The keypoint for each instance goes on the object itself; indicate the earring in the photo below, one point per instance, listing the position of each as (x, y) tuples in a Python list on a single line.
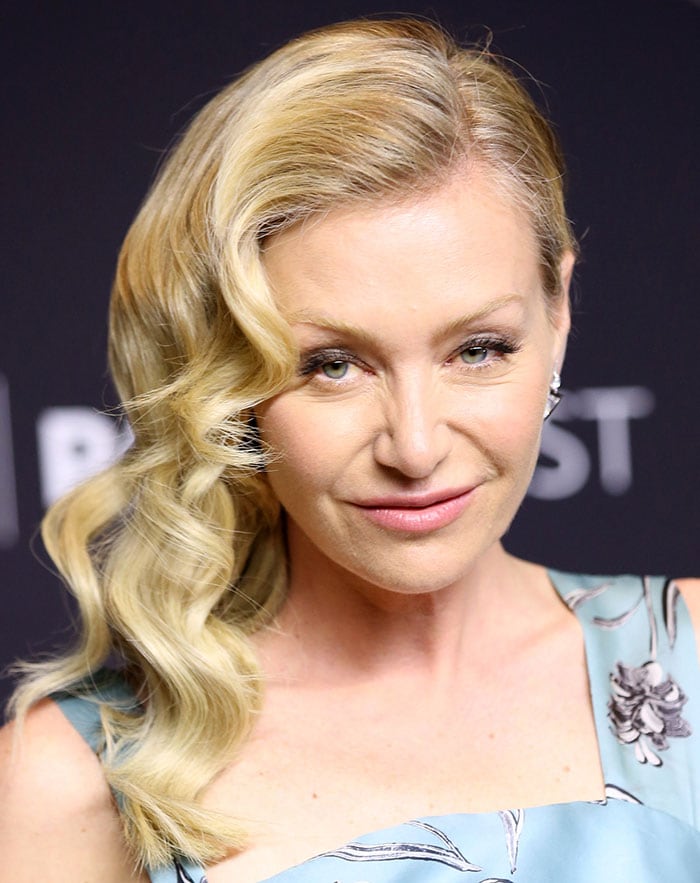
[(554, 395)]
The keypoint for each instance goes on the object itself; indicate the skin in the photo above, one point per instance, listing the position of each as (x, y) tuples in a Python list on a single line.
[(389, 694)]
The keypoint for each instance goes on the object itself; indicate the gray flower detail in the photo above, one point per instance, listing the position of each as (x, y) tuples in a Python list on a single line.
[(614, 792), (449, 854), (513, 824), (645, 710), (184, 877)]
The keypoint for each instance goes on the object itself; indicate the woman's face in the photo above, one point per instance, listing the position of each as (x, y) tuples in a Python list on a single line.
[(407, 441)]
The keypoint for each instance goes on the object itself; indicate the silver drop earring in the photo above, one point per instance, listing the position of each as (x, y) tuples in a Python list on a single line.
[(554, 395)]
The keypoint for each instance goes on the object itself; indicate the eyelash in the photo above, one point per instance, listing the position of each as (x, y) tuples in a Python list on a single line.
[(502, 346), (314, 361)]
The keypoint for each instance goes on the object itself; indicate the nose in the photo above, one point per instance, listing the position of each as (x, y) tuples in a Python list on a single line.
[(415, 436)]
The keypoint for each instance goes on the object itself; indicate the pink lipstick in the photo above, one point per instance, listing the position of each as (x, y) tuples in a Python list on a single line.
[(417, 513)]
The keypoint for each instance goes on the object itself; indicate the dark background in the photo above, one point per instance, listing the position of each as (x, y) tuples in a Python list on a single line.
[(95, 92)]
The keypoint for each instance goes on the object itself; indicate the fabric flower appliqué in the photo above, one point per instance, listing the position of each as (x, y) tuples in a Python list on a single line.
[(645, 710)]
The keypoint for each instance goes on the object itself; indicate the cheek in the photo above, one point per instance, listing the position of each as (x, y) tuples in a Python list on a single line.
[(309, 447), (510, 425)]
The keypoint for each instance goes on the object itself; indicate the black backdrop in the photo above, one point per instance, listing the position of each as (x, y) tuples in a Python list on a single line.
[(95, 92)]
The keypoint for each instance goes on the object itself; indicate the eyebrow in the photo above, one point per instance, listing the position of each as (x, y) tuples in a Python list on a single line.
[(318, 320)]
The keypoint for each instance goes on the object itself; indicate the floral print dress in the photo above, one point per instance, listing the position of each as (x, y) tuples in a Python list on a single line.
[(645, 688)]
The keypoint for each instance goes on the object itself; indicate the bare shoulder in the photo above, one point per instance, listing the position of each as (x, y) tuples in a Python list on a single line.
[(58, 820), (690, 589)]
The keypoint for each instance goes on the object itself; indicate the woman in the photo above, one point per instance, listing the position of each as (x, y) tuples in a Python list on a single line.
[(337, 325)]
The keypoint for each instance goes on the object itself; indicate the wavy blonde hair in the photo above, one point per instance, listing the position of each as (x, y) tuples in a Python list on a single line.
[(175, 553)]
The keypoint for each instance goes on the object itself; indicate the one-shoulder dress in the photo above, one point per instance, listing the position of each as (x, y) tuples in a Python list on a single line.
[(645, 689)]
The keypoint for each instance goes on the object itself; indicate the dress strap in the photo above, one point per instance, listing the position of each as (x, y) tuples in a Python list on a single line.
[(81, 703), (644, 681)]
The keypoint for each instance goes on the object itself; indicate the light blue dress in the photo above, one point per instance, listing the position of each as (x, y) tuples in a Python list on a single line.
[(645, 687)]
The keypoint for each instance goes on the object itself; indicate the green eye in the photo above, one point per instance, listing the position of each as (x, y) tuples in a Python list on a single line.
[(473, 355), (335, 370)]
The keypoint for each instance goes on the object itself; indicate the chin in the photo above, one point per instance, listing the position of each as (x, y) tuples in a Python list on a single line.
[(418, 566)]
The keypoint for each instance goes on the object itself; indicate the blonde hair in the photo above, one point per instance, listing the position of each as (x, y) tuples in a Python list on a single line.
[(175, 553)]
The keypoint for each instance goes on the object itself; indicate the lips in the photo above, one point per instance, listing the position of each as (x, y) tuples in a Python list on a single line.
[(417, 513)]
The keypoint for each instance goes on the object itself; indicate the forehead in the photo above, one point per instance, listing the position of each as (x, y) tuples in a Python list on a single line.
[(463, 244)]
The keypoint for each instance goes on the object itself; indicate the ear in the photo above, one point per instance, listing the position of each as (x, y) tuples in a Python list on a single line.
[(561, 313)]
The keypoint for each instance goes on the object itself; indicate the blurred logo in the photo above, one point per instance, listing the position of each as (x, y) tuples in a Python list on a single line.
[(565, 462), (9, 523)]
